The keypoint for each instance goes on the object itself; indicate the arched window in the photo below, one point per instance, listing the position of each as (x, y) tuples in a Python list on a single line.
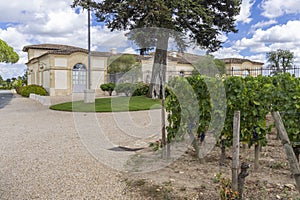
[(79, 78), (181, 73)]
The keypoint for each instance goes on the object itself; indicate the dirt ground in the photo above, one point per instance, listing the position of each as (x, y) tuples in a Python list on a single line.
[(188, 178)]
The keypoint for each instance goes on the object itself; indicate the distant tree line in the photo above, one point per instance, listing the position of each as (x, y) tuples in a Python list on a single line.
[(10, 83)]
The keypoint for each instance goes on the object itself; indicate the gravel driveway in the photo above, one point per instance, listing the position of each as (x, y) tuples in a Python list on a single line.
[(42, 156)]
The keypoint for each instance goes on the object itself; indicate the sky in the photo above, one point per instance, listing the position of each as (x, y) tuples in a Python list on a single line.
[(264, 26)]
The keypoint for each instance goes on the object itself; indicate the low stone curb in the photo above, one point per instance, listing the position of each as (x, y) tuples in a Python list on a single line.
[(44, 100)]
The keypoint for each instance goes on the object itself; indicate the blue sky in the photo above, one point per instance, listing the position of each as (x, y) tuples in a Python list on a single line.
[(264, 25)]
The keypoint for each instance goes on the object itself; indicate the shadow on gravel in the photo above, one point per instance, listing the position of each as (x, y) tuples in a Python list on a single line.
[(5, 98)]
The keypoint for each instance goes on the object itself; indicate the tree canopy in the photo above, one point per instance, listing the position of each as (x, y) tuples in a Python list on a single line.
[(280, 60), (123, 63), (197, 21), (7, 53), (202, 21)]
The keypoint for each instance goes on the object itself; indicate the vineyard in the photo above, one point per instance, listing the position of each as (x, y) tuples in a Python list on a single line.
[(201, 108), (218, 99)]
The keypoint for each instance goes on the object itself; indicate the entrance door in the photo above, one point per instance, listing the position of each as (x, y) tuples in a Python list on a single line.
[(79, 78)]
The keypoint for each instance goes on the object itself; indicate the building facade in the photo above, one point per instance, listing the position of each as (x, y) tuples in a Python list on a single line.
[(62, 69), (176, 66), (242, 67)]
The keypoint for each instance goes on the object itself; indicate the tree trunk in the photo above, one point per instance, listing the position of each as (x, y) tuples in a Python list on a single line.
[(158, 78), (297, 152), (223, 153), (158, 75), (241, 179)]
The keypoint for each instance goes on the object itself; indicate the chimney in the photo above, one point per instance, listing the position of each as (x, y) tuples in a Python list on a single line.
[(174, 54), (113, 51)]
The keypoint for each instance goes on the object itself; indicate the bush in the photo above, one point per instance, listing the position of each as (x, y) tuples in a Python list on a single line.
[(127, 88), (18, 89), (35, 89), (140, 89), (134, 89), (109, 87)]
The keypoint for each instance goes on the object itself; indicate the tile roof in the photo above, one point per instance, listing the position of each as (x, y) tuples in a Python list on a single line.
[(62, 50), (53, 47), (239, 61)]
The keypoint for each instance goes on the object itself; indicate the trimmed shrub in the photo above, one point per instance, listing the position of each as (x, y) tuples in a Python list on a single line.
[(134, 89), (35, 89), (140, 89), (18, 89), (127, 88), (109, 87)]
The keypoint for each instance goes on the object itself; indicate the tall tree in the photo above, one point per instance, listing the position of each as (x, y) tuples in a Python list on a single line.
[(7, 53), (280, 60), (198, 20), (1, 80), (122, 63)]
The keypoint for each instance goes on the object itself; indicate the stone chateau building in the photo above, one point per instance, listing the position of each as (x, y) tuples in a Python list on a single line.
[(62, 69)]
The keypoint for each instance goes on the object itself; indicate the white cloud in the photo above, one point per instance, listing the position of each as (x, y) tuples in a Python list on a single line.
[(263, 24), (245, 11), (276, 8), (285, 33), (46, 21), (282, 36), (261, 57), (129, 50), (227, 53), (12, 70)]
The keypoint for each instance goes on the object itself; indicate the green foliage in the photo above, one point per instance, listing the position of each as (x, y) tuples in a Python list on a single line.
[(109, 87), (1, 80), (286, 100), (127, 88), (254, 97), (123, 63), (134, 89), (226, 192), (7, 53), (35, 89), (209, 66), (156, 145), (17, 83), (221, 66), (190, 105), (140, 89), (280, 60), (203, 20), (18, 90), (117, 104)]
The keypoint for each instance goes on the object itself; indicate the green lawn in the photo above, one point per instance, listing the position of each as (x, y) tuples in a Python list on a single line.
[(115, 104)]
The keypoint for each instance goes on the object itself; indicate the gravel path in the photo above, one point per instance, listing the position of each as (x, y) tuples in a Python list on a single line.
[(42, 157)]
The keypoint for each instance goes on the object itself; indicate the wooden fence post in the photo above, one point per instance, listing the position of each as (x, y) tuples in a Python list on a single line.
[(288, 148), (235, 150)]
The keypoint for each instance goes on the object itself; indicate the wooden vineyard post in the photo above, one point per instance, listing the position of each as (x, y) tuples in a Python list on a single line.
[(235, 150), (256, 156), (288, 148)]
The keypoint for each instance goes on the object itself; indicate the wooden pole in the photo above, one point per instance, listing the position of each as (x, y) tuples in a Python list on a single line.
[(235, 150), (89, 47), (256, 156), (294, 165)]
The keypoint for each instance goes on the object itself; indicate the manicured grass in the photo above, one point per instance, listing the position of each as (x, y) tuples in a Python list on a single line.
[(115, 104)]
